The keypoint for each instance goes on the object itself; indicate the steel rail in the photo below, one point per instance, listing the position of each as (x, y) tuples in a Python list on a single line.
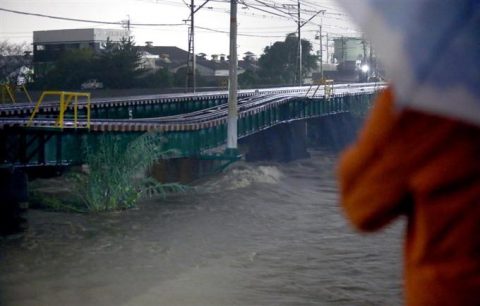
[(194, 120), (51, 106)]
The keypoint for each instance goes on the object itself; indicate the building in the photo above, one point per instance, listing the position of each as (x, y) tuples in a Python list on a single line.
[(355, 59), (348, 51), (214, 70), (49, 46)]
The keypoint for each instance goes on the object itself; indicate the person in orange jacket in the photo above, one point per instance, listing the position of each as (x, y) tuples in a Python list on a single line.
[(424, 167)]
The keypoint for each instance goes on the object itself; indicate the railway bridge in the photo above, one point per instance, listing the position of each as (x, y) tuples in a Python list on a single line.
[(272, 123)]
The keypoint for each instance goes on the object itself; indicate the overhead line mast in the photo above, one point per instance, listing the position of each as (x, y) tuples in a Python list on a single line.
[(191, 80), (300, 78)]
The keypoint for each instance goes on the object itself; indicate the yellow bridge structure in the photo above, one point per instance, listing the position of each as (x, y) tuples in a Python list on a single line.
[(8, 93), (65, 99)]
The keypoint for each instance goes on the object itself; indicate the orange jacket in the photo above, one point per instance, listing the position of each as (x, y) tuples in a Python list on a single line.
[(427, 168)]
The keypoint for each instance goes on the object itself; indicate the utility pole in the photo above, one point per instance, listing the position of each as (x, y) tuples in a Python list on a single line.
[(299, 34), (321, 52), (321, 43), (192, 32), (190, 80), (373, 68), (191, 58), (328, 55), (126, 25), (300, 79), (233, 82), (364, 44)]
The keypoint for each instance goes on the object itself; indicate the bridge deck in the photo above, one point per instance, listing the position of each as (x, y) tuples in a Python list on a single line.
[(191, 133)]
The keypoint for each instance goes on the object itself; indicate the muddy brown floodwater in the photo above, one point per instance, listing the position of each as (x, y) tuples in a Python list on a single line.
[(258, 234)]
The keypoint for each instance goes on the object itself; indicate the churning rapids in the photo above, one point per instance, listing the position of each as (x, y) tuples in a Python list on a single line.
[(259, 234)]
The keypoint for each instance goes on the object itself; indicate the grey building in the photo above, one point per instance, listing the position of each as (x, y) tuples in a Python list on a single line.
[(49, 46)]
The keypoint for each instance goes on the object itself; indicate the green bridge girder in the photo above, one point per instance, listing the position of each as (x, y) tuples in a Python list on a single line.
[(149, 109), (192, 143), (144, 106), (38, 147)]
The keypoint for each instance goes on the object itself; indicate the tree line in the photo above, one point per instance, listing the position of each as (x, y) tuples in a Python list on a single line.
[(118, 65)]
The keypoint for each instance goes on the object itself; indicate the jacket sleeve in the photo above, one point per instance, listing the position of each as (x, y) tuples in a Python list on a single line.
[(373, 180)]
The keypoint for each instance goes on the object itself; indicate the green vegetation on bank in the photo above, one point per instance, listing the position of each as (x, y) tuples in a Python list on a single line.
[(114, 177)]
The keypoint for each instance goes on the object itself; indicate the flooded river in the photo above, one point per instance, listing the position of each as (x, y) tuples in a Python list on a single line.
[(258, 234)]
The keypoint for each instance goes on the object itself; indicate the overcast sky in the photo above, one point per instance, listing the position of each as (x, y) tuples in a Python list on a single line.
[(257, 28)]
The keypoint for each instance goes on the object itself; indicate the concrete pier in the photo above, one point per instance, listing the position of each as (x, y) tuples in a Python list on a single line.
[(283, 143), (334, 132)]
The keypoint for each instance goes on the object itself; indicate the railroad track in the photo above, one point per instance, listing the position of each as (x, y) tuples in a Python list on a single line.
[(23, 109), (249, 102)]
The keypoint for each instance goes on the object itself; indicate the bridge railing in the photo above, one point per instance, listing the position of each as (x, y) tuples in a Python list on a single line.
[(328, 88), (66, 98)]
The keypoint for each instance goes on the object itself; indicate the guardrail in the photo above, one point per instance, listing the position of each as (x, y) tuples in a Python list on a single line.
[(65, 100), (328, 87)]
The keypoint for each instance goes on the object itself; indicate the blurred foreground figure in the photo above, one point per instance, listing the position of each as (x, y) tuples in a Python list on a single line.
[(418, 154), (426, 168)]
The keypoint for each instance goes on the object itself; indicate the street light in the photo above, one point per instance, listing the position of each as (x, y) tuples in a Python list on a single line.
[(365, 68)]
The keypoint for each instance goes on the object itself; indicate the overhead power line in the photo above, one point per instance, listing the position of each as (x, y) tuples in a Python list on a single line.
[(262, 10), (91, 21), (239, 34)]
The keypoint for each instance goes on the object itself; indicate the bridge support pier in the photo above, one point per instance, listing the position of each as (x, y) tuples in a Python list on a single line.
[(14, 195), (284, 142), (333, 132)]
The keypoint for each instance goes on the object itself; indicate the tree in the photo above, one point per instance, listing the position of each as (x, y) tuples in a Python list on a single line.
[(71, 70), (181, 75), (279, 63), (12, 57), (119, 64), (161, 78), (248, 79)]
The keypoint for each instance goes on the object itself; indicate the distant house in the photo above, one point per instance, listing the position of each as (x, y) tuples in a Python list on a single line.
[(149, 62), (173, 58), (249, 61), (49, 46), (250, 56)]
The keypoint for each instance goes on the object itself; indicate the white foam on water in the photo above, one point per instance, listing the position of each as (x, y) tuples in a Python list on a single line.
[(244, 175)]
